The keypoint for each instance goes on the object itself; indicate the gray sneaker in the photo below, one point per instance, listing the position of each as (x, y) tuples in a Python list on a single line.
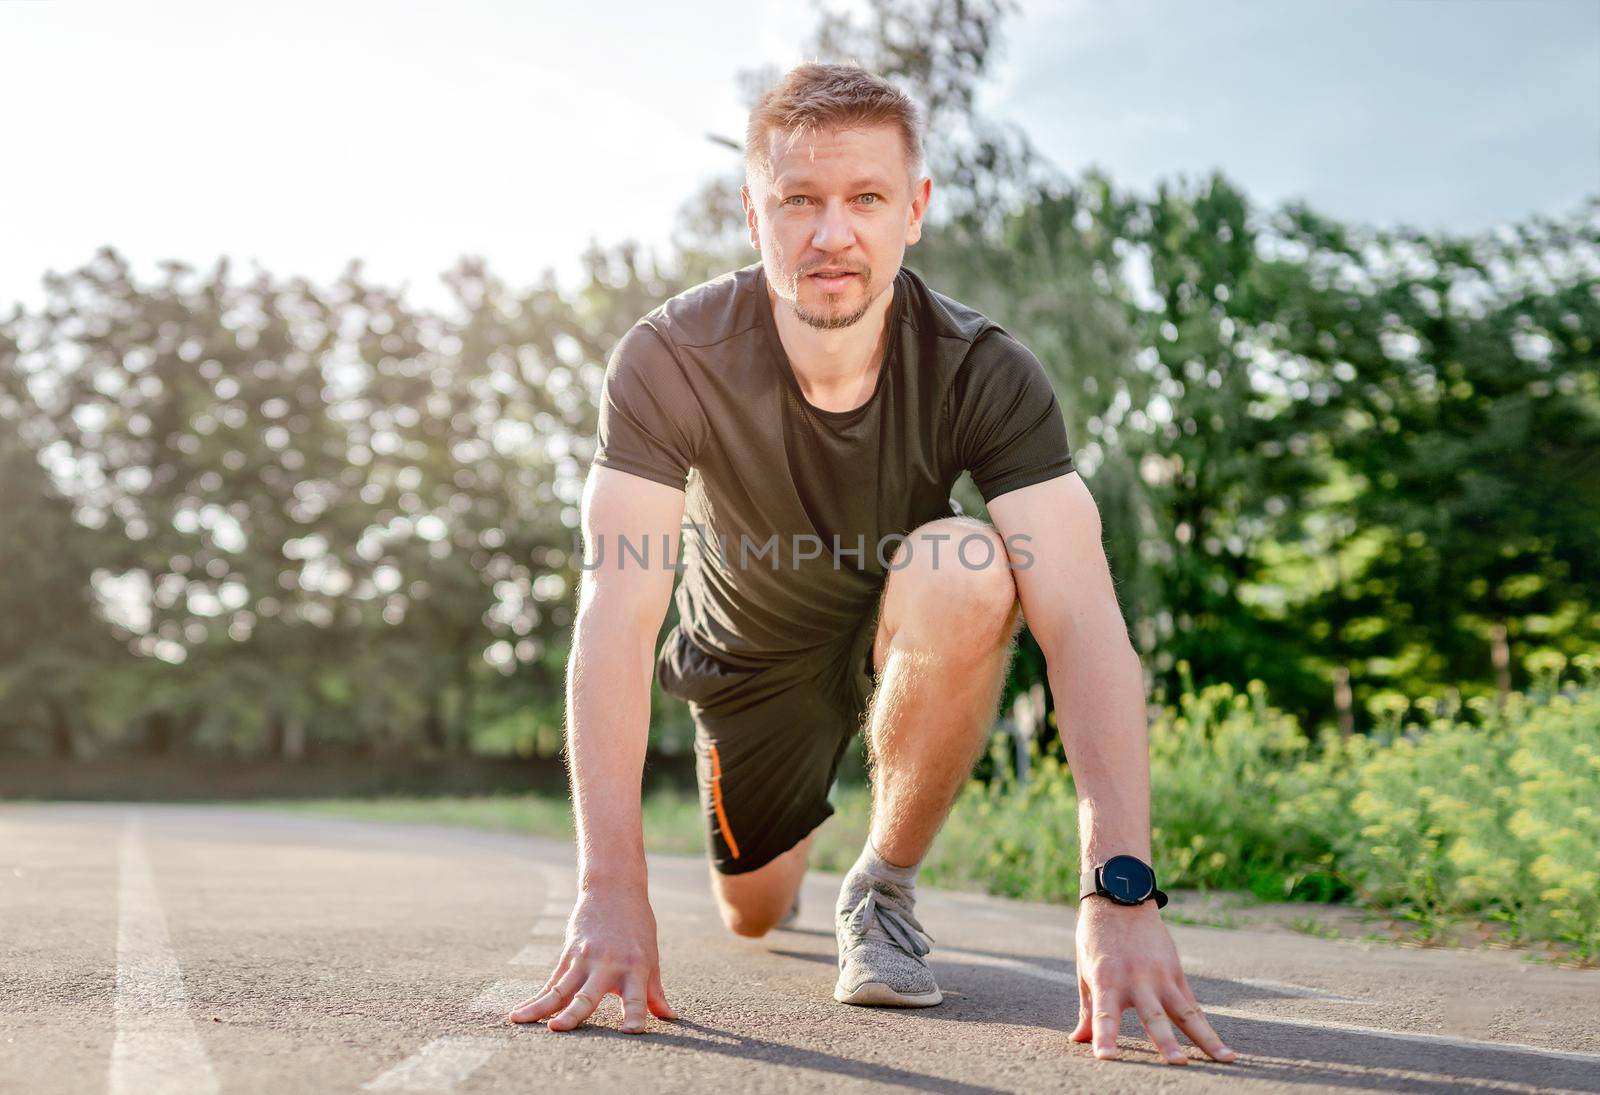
[(881, 946), (791, 916)]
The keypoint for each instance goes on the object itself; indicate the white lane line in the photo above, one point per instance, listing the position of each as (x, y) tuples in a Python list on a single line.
[(1018, 965), (536, 954), (445, 1063), (549, 930), (1410, 1036), (157, 1049), (499, 998), (557, 910), (438, 1066), (1015, 965), (1282, 988)]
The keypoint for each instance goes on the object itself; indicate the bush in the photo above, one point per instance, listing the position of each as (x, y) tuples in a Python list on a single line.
[(1495, 821), (1495, 817)]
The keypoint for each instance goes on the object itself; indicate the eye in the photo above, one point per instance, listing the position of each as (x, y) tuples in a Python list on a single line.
[(879, 198), (794, 197)]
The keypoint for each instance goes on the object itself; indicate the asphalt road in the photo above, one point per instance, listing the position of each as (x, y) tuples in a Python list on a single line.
[(200, 949)]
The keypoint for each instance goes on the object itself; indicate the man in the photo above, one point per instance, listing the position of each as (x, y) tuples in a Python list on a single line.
[(810, 413)]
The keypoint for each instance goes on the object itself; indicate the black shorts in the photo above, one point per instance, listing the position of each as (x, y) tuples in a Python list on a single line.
[(768, 741)]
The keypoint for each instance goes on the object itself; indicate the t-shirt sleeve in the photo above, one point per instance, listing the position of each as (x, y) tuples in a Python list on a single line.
[(651, 422), (1008, 426)]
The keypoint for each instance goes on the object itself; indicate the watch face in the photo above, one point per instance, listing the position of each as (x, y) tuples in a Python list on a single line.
[(1127, 879)]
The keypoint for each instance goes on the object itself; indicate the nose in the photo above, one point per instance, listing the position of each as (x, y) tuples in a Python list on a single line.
[(834, 232)]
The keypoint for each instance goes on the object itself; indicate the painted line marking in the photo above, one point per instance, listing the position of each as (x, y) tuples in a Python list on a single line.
[(438, 1066), (500, 997), (157, 1049), (1017, 965), (557, 910), (535, 955), (1284, 988), (1014, 965), (1410, 1036), (445, 1063)]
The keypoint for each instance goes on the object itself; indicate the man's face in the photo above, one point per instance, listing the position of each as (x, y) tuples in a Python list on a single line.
[(838, 200)]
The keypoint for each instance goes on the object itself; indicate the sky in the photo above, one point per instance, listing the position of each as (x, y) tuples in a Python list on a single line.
[(297, 136)]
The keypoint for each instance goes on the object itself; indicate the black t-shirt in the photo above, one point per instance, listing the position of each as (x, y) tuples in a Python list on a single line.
[(833, 455), (700, 395)]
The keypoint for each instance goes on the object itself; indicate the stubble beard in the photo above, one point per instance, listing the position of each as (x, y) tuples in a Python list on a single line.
[(831, 321)]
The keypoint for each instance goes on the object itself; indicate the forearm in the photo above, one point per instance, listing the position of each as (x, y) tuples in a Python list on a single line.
[(608, 725), (1098, 687)]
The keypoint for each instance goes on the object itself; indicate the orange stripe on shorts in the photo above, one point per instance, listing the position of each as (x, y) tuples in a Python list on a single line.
[(716, 801)]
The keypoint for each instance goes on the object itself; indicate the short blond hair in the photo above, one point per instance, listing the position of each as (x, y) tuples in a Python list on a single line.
[(819, 96)]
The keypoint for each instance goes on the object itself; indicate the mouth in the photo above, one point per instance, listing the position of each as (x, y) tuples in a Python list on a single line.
[(832, 279)]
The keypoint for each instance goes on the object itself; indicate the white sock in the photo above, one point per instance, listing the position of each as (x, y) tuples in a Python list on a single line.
[(875, 865)]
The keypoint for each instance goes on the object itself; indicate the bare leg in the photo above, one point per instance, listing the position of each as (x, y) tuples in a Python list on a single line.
[(942, 648), (751, 903), (942, 651)]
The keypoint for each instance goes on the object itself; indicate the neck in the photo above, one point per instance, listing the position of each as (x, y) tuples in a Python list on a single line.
[(837, 369)]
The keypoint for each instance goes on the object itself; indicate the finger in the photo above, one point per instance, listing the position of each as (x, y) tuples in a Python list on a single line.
[(1085, 1028), (547, 1000), (1185, 1010), (544, 1005), (634, 1013), (1154, 1018), (551, 1000), (1108, 1009), (582, 1004), (656, 997), (556, 974)]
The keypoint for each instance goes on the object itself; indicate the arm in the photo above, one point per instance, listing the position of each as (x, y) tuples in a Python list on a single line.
[(611, 938), (620, 610), (1126, 957)]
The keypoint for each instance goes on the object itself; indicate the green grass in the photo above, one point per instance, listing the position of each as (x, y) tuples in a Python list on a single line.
[(1220, 919), (1310, 925), (672, 820)]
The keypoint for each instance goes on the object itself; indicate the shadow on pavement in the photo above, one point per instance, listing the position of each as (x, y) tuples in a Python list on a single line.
[(1287, 1051), (742, 1047), (1290, 1052)]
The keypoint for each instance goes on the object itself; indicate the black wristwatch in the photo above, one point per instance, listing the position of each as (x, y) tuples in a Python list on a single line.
[(1125, 879)]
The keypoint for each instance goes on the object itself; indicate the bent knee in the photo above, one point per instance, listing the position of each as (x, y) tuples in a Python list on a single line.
[(746, 905), (960, 569), (746, 924)]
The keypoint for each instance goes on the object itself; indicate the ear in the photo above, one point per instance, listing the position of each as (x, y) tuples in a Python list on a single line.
[(750, 217), (919, 207)]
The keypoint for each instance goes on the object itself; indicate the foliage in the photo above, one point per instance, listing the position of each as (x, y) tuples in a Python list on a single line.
[(1488, 814), (262, 516), (1495, 819)]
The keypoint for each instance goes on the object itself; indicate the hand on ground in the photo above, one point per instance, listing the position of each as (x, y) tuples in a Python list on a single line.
[(610, 949), (1126, 959)]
